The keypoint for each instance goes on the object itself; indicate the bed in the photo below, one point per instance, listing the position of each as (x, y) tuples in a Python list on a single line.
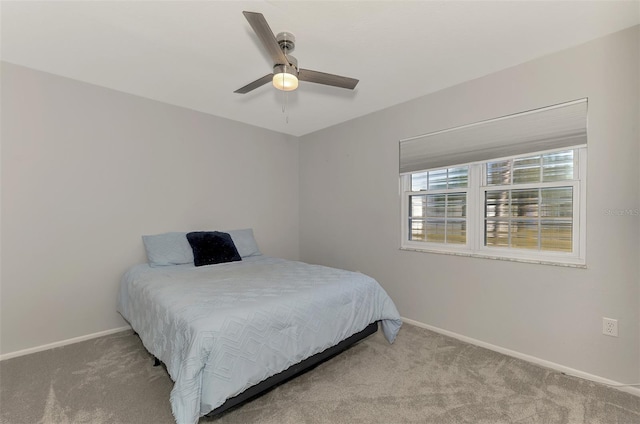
[(226, 331)]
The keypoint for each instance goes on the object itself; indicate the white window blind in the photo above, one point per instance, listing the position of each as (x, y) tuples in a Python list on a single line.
[(553, 127)]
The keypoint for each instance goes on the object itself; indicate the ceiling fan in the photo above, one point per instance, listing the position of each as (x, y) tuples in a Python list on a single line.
[(286, 73)]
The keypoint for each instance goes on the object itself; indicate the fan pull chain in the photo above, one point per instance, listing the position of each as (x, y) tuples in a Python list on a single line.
[(285, 101)]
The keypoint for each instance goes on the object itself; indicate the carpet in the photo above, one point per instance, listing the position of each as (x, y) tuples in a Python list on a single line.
[(424, 377)]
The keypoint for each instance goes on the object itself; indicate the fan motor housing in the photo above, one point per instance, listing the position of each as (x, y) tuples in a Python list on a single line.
[(286, 69), (292, 61)]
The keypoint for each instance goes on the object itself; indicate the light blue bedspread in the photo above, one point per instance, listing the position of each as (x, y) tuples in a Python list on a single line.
[(220, 329)]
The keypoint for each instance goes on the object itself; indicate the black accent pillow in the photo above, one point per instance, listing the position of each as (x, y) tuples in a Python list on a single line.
[(212, 247)]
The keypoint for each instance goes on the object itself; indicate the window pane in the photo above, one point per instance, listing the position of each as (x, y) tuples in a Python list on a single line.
[(557, 202), (419, 181), (526, 170), (458, 177), (438, 179), (457, 205), (557, 235), (524, 229), (557, 166), (436, 204), (497, 203), (524, 234), (524, 203), (456, 232), (496, 233), (418, 229), (418, 206), (435, 230), (433, 215), (499, 173)]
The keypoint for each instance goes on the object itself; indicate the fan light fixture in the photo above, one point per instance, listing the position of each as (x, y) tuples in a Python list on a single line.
[(284, 78), (285, 82)]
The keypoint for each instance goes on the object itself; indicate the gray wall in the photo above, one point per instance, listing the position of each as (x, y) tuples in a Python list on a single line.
[(86, 171), (350, 214)]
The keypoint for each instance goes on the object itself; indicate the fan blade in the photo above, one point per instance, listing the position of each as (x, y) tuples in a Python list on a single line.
[(253, 85), (327, 79), (264, 33)]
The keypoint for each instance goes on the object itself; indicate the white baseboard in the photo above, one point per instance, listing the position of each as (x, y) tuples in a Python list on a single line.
[(529, 358), (548, 364), (62, 343)]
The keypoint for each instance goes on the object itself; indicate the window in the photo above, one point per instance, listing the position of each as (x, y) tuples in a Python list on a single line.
[(528, 206), (525, 207)]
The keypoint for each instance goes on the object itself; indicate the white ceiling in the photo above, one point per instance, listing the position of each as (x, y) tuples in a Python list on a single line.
[(195, 54)]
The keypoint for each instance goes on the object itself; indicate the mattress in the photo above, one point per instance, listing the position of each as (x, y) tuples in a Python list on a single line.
[(223, 328)]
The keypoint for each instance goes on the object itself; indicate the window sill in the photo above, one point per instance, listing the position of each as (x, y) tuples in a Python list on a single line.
[(498, 258)]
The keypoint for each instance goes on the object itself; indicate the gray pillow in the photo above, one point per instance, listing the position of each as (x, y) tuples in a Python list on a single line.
[(245, 242), (168, 249)]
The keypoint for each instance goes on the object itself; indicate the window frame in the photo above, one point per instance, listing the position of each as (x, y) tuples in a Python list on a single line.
[(476, 188)]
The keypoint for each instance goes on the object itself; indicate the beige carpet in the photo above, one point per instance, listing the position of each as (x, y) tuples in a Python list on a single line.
[(423, 378)]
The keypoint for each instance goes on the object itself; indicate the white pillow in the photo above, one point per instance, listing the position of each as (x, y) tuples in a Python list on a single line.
[(168, 249), (245, 242)]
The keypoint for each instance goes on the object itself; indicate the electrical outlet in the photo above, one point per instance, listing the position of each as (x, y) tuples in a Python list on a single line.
[(610, 327)]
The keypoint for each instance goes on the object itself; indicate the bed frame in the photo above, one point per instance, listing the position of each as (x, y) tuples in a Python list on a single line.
[(292, 371)]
